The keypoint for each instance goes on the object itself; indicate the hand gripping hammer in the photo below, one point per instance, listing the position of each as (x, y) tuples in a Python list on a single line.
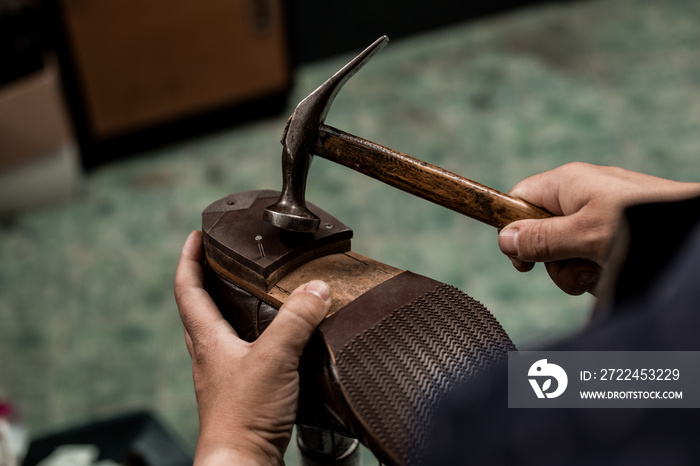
[(306, 134)]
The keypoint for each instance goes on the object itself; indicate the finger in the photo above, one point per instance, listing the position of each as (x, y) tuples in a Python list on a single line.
[(561, 191), (297, 319), (541, 190), (575, 276), (547, 240), (521, 266), (197, 310)]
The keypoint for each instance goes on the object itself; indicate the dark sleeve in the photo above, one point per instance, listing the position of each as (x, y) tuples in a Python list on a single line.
[(651, 304)]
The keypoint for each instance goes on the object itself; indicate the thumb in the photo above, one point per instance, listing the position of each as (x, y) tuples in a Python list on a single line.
[(297, 319), (543, 240)]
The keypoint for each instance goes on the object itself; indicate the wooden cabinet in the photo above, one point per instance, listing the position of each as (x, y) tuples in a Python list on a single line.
[(137, 64)]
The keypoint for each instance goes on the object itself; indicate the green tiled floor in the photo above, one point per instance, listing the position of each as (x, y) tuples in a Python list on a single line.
[(88, 325)]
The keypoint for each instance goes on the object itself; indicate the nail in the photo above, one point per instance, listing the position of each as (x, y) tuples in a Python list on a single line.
[(319, 288), (260, 246), (508, 242), (587, 278)]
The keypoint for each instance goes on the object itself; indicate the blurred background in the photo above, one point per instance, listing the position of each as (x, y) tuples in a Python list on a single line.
[(121, 121)]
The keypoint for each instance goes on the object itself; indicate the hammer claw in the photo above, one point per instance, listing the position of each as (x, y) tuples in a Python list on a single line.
[(319, 102)]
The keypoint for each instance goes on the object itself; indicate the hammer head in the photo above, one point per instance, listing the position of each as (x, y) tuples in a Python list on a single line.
[(299, 138)]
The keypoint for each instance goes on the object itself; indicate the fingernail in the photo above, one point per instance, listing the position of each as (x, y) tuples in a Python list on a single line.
[(508, 242), (587, 278), (319, 288)]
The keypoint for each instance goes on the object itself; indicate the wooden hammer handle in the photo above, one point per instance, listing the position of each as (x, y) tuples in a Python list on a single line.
[(424, 180)]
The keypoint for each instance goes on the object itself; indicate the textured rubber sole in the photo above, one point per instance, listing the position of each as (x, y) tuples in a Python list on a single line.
[(394, 373)]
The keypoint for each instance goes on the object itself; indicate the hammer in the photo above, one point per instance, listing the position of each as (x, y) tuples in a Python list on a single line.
[(306, 134)]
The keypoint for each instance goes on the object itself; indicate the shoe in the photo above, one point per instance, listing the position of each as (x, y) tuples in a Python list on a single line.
[(394, 343)]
